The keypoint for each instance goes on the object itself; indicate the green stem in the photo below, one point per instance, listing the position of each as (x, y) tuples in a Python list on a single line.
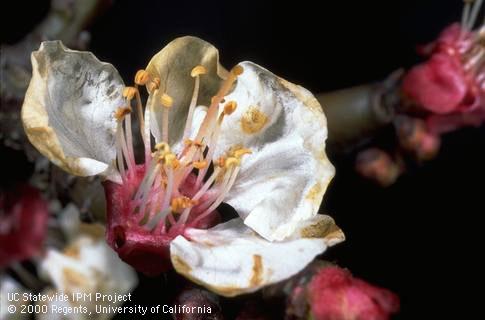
[(356, 114)]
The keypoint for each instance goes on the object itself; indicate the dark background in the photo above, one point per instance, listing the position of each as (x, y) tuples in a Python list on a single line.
[(422, 237)]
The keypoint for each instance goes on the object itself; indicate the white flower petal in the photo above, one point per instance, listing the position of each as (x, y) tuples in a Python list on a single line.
[(283, 181), (230, 259), (88, 266), (68, 112)]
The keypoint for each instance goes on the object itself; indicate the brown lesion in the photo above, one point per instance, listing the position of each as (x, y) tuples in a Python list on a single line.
[(309, 100), (257, 277), (181, 266), (325, 229), (253, 120), (73, 278), (46, 141), (227, 291), (334, 237), (208, 244), (73, 251)]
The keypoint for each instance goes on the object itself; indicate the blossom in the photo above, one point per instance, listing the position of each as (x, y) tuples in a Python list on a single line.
[(451, 83), (244, 137), (23, 217), (335, 295), (86, 266)]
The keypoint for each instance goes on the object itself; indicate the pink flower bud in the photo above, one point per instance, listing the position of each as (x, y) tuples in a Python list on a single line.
[(452, 81), (336, 295), (438, 85)]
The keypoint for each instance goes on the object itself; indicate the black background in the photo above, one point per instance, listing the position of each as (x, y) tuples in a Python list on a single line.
[(422, 237)]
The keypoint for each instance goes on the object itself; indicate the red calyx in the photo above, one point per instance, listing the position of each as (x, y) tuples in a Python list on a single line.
[(148, 251), (145, 251)]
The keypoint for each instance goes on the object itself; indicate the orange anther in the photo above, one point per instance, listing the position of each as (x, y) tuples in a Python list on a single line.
[(166, 100), (154, 84), (237, 70), (200, 164), (129, 92), (230, 107), (142, 77), (197, 71), (121, 112)]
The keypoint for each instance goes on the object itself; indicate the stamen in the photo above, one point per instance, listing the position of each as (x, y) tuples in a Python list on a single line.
[(156, 198), (182, 202), (475, 59), (145, 133), (168, 193), (221, 162), (152, 224), (241, 152), (142, 77), (207, 184), (226, 186), (231, 162), (230, 107), (153, 85), (145, 194), (195, 73), (237, 70), (199, 194), (464, 17), (124, 153), (166, 100), (121, 112), (119, 155), (122, 148), (142, 188), (207, 124), (129, 93), (170, 160), (200, 164), (226, 86), (187, 160), (162, 147), (474, 14), (167, 103), (129, 140)]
